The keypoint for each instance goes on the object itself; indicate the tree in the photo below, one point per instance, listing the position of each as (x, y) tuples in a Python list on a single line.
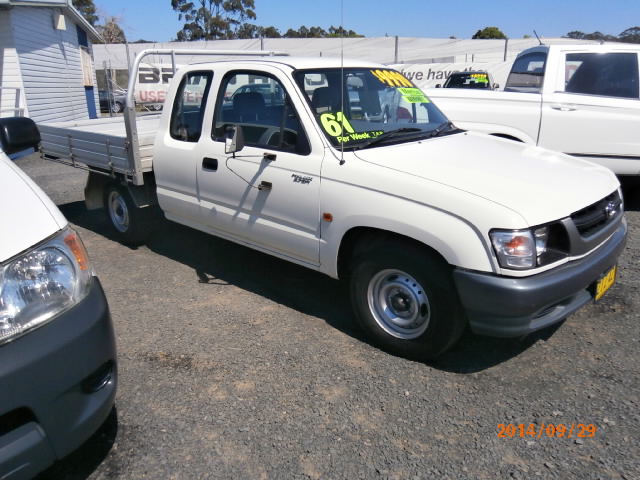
[(341, 32), (319, 32), (248, 30), (271, 32), (87, 9), (630, 35), (212, 19), (111, 31), (575, 34), (489, 32)]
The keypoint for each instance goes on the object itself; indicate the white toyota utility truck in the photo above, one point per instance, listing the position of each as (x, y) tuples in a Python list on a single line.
[(433, 227), (582, 100)]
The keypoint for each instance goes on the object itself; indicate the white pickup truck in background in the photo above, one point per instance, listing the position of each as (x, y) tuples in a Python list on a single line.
[(434, 228), (582, 100)]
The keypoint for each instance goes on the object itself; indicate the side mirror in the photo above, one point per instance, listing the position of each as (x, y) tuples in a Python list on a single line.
[(18, 134), (438, 85), (234, 141)]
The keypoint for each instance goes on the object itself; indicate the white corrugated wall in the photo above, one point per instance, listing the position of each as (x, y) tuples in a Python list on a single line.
[(50, 65), (10, 78)]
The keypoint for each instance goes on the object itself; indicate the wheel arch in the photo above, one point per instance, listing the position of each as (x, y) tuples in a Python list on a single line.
[(362, 238), (143, 196)]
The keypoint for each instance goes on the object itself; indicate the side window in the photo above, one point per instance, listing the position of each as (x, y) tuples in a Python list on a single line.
[(259, 104), (606, 74), (188, 106), (527, 73)]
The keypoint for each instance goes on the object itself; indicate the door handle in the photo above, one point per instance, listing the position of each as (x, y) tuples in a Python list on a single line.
[(210, 164), (564, 107), (265, 186), (269, 157)]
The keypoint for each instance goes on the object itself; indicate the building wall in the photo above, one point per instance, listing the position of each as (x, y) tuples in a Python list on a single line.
[(10, 78), (50, 65)]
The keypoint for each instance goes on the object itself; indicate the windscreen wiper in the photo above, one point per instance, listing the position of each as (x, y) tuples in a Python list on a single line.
[(386, 136), (445, 127)]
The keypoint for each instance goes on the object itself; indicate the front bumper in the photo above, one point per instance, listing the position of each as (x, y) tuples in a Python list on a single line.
[(511, 307), (57, 386)]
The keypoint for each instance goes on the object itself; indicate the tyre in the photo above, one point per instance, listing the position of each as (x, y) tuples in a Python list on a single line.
[(129, 222), (404, 298), (117, 107)]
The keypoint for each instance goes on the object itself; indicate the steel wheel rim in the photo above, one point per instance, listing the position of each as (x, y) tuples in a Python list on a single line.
[(399, 304), (118, 211)]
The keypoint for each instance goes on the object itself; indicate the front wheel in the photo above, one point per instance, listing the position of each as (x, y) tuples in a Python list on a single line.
[(129, 222), (404, 298)]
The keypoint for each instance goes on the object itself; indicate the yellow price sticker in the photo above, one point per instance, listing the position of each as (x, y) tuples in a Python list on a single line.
[(335, 124), (413, 95), (391, 78)]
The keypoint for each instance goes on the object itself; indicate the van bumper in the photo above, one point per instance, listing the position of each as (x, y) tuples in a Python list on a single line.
[(57, 386), (510, 307)]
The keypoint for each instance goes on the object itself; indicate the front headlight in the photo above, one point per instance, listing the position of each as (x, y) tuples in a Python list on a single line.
[(41, 283), (514, 249)]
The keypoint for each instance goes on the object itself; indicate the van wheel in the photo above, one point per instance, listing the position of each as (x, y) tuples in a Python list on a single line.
[(117, 107), (404, 298), (128, 221)]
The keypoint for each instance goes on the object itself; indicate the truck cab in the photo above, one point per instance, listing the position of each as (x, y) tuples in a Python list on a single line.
[(578, 99), (347, 168)]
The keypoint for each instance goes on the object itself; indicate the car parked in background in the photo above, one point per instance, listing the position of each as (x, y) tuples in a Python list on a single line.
[(475, 79), (113, 102), (58, 371)]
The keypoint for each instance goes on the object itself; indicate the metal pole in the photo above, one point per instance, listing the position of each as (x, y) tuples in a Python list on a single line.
[(506, 44), (396, 51), (126, 44), (17, 103), (107, 81), (261, 43)]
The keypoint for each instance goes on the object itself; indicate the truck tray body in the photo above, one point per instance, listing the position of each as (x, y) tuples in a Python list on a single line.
[(100, 144)]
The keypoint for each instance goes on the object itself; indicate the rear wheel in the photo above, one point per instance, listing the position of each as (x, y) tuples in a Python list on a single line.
[(117, 107), (130, 223), (405, 300)]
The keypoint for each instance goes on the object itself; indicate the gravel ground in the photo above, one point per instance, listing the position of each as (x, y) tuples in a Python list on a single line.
[(234, 364)]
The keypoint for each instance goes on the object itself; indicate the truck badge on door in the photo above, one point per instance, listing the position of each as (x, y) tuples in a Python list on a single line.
[(301, 179)]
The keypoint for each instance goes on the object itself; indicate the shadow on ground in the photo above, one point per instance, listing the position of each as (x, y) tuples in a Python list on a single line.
[(217, 261), (83, 462)]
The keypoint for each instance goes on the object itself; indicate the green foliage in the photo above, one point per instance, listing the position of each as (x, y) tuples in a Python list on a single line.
[(319, 32), (630, 35), (248, 30), (489, 32), (111, 31), (87, 9), (214, 19)]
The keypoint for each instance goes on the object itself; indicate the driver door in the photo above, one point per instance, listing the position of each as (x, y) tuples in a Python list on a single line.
[(267, 194)]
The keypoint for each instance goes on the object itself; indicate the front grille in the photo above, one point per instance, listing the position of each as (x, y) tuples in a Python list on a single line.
[(592, 219)]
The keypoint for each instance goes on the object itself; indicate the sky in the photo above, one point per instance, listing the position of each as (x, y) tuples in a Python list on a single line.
[(155, 20)]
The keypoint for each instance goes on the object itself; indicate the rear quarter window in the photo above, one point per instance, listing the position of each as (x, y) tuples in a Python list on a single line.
[(189, 105)]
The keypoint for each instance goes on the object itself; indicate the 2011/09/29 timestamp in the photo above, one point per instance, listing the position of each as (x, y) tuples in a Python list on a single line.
[(550, 430)]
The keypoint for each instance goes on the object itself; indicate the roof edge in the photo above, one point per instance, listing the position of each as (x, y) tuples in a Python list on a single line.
[(67, 6)]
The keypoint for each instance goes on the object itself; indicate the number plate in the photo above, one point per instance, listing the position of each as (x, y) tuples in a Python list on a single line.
[(605, 282)]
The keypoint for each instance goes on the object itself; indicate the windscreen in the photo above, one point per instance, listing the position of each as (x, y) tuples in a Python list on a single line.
[(362, 107)]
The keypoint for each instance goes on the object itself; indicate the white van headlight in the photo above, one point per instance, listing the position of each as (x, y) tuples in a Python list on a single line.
[(39, 284), (519, 249)]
